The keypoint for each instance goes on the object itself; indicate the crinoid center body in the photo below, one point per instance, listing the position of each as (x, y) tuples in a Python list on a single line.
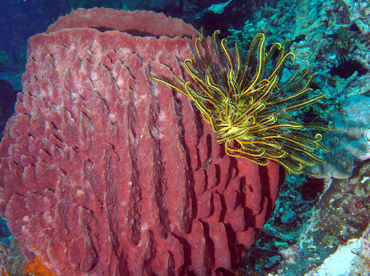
[(246, 105)]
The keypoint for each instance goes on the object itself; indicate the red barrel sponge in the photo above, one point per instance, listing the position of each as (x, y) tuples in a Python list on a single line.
[(106, 172)]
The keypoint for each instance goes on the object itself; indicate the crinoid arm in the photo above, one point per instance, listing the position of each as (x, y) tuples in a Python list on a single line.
[(246, 105)]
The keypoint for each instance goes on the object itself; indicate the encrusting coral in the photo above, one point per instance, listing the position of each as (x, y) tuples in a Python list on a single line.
[(243, 102), (37, 268)]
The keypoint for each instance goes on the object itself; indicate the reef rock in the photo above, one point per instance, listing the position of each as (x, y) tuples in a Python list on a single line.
[(349, 141)]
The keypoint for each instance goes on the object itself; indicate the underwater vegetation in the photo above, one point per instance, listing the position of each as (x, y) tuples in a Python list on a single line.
[(244, 102)]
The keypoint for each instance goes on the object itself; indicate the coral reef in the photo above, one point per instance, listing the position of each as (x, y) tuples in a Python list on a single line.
[(350, 140), (13, 262), (341, 214), (362, 262), (359, 13), (331, 37)]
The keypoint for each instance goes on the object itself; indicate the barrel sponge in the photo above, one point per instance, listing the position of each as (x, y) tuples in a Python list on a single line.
[(104, 172)]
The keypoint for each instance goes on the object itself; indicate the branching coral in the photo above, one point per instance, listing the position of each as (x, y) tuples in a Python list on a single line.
[(244, 103)]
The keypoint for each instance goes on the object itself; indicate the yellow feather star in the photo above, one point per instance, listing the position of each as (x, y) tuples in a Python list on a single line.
[(243, 103)]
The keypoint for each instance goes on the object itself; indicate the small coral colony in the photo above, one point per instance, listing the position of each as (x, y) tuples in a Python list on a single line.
[(246, 105)]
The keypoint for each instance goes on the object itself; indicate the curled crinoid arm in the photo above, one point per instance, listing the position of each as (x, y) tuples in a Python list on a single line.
[(246, 105)]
